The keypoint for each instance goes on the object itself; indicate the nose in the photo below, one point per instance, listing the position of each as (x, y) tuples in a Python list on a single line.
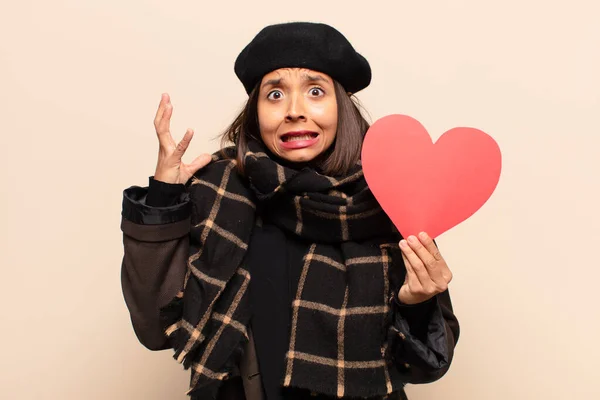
[(296, 109)]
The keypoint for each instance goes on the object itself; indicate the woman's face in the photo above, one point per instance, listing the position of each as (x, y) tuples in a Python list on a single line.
[(297, 113)]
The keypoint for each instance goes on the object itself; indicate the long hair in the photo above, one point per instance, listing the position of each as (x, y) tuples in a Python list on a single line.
[(344, 152)]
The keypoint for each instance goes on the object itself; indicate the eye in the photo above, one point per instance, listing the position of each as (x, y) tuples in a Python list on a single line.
[(274, 95), (317, 91)]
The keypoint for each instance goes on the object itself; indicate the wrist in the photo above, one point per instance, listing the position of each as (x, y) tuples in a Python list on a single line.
[(164, 178)]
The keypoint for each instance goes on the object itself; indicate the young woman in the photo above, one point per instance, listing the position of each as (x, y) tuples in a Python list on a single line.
[(269, 267)]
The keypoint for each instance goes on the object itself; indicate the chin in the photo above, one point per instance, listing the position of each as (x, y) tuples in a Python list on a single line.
[(297, 156)]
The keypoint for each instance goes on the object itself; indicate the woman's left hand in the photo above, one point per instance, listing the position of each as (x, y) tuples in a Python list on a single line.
[(427, 274)]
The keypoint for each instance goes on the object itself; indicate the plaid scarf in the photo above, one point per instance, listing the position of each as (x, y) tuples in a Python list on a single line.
[(340, 330)]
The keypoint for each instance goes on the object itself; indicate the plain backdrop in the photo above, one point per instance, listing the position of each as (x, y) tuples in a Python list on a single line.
[(79, 85)]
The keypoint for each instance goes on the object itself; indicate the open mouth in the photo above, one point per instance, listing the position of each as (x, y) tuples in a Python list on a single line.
[(298, 136)]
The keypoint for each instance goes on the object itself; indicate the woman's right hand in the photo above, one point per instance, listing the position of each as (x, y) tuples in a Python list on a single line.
[(170, 168)]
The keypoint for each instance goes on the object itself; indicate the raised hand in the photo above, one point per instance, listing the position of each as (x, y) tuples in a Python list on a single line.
[(169, 167), (427, 274)]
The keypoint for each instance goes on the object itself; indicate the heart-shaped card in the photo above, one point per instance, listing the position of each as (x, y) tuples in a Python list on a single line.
[(426, 186)]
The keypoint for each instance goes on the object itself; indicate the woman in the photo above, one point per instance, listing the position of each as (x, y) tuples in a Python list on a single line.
[(269, 267)]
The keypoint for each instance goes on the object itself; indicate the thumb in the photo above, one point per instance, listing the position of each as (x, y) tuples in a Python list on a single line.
[(200, 162)]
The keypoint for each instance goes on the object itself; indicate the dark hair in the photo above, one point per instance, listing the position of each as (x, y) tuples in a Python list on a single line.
[(336, 161)]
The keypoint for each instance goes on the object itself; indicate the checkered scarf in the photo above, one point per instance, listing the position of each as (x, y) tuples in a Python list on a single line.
[(340, 331)]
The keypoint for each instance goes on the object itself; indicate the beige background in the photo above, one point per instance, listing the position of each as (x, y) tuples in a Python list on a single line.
[(80, 82)]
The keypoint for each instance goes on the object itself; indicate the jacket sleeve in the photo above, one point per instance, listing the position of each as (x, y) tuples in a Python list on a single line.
[(427, 335), (155, 223)]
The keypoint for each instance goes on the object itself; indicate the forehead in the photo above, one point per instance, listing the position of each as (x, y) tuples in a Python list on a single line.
[(294, 73)]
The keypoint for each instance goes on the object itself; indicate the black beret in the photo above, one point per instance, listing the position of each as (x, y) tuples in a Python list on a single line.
[(315, 46)]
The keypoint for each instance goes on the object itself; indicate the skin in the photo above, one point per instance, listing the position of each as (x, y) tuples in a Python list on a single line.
[(427, 273), (169, 167), (295, 99)]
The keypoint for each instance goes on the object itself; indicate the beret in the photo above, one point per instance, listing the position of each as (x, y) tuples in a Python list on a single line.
[(311, 45)]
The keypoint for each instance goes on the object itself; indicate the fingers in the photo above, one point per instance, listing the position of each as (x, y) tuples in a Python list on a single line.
[(411, 277), (164, 124), (164, 99), (429, 266), (438, 269), (416, 265), (430, 246), (427, 273), (412, 291), (184, 143), (200, 162), (162, 121), (423, 252)]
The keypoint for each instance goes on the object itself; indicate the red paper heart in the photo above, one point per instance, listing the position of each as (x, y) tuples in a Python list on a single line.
[(424, 186)]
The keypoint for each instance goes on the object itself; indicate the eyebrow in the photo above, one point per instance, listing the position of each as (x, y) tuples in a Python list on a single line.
[(315, 78), (272, 82), (310, 78)]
